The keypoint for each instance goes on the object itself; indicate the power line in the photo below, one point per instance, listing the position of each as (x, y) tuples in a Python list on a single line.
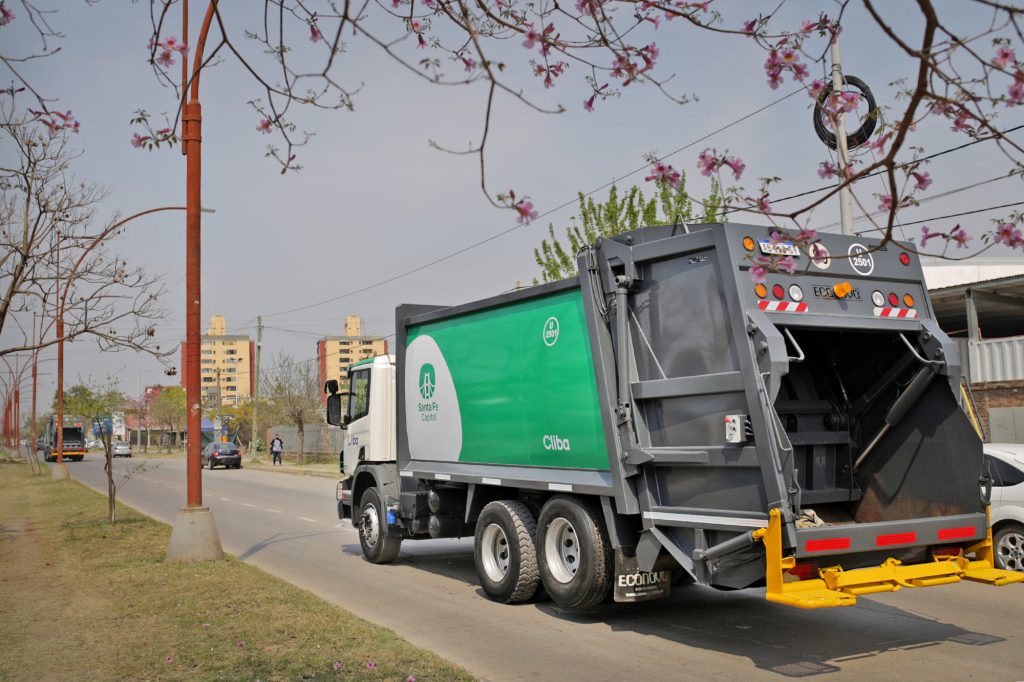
[(957, 215), (547, 213)]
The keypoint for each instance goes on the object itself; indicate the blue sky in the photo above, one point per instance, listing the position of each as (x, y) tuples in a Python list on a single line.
[(374, 200)]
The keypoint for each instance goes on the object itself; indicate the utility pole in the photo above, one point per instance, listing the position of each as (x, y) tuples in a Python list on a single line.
[(61, 470), (194, 536), (845, 196), (254, 437), (220, 409)]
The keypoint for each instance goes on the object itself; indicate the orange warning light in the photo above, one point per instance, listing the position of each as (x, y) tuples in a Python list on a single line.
[(842, 289), (748, 243), (761, 290)]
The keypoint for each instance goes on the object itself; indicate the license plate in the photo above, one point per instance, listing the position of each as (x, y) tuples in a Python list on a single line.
[(778, 248)]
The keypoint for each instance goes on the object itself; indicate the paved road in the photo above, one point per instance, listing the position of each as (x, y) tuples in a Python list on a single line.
[(287, 525)]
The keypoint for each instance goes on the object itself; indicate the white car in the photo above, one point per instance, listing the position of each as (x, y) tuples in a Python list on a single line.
[(121, 448), (1004, 462)]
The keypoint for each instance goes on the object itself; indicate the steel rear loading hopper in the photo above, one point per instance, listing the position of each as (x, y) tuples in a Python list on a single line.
[(841, 405)]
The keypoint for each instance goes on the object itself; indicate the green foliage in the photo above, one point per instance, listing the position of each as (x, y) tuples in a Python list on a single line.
[(615, 216), (93, 401)]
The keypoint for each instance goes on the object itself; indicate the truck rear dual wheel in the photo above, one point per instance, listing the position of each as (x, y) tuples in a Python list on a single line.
[(574, 553), (378, 546), (505, 552)]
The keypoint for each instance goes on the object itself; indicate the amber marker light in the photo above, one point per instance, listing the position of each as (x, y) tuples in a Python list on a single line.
[(760, 289), (842, 289), (908, 300), (748, 243)]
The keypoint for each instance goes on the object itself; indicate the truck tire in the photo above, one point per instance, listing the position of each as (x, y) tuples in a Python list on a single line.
[(378, 546), (1008, 545), (574, 553), (505, 552)]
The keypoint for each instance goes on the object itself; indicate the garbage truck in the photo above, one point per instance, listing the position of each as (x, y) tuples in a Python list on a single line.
[(668, 417), (73, 439)]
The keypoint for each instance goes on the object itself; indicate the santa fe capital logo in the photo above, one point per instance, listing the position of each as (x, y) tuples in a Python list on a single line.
[(427, 381)]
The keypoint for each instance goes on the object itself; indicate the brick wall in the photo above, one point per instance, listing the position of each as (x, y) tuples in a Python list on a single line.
[(997, 394)]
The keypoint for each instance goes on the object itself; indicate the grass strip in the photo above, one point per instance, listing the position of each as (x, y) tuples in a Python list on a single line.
[(84, 599)]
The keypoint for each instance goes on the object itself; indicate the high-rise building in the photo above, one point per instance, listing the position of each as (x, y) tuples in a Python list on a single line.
[(335, 353), (225, 357)]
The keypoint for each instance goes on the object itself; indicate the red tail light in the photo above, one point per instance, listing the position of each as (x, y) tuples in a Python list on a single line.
[(805, 570)]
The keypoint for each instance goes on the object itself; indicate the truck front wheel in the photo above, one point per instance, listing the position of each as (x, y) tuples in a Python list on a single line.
[(378, 546), (505, 552), (575, 556)]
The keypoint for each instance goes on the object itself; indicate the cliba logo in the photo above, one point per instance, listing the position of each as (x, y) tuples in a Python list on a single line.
[(427, 388), (550, 334), (554, 442)]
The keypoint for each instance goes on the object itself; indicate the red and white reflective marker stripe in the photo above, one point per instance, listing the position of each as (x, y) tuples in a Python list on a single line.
[(895, 312), (782, 307)]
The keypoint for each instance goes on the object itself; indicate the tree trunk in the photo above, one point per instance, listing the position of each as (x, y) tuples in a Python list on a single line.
[(111, 488), (302, 443)]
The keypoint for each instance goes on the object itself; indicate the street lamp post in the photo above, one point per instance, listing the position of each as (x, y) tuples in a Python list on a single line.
[(194, 537)]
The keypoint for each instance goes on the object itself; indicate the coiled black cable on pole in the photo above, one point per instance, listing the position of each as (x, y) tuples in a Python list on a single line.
[(867, 127)]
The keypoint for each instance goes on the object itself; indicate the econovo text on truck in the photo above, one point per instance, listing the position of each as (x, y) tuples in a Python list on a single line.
[(663, 418)]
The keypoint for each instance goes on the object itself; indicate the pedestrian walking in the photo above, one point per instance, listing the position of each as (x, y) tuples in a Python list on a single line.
[(276, 447)]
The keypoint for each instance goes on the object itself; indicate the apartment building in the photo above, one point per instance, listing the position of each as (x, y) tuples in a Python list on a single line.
[(226, 361), (335, 353)]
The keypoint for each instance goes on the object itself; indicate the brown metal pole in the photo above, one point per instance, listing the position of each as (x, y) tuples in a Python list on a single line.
[(17, 416), (191, 142), (59, 419), (191, 139)]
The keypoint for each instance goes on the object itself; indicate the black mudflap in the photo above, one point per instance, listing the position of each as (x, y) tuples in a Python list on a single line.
[(632, 584)]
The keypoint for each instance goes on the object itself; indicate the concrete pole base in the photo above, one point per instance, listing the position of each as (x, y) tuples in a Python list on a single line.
[(194, 536), (59, 472)]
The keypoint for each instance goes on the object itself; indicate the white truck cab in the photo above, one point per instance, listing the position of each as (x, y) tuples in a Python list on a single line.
[(370, 413)]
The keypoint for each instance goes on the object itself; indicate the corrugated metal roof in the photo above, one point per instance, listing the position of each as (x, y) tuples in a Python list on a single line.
[(941, 274)]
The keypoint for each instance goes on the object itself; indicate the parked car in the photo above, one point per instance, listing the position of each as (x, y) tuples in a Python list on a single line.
[(121, 448), (1004, 462), (222, 454)]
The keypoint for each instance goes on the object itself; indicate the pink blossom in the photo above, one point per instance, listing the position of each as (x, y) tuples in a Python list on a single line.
[(707, 163), (1009, 235), (923, 180), (808, 26), (878, 145), (139, 140), (470, 64), (884, 202), (927, 234), (6, 15), (531, 37), (337, 665), (165, 59), (240, 644), (827, 169), (960, 236), (429, 3), (410, 678), (169, 659), (1004, 55), (806, 236), (525, 211), (314, 33), (787, 265), (737, 166), (843, 102), (763, 204), (264, 126), (591, 7), (1016, 91), (661, 172), (758, 271), (816, 89), (371, 665), (588, 104), (748, 26), (961, 123), (421, 42), (800, 71)]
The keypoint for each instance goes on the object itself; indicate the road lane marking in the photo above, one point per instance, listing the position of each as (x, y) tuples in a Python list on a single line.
[(226, 499), (306, 518), (246, 504), (275, 511)]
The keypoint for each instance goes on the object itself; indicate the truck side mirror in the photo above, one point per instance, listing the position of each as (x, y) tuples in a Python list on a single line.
[(334, 408), (331, 387)]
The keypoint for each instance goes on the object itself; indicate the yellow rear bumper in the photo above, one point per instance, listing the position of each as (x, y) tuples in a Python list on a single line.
[(836, 587)]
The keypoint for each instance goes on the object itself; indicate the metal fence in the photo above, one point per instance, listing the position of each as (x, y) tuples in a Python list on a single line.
[(320, 439)]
